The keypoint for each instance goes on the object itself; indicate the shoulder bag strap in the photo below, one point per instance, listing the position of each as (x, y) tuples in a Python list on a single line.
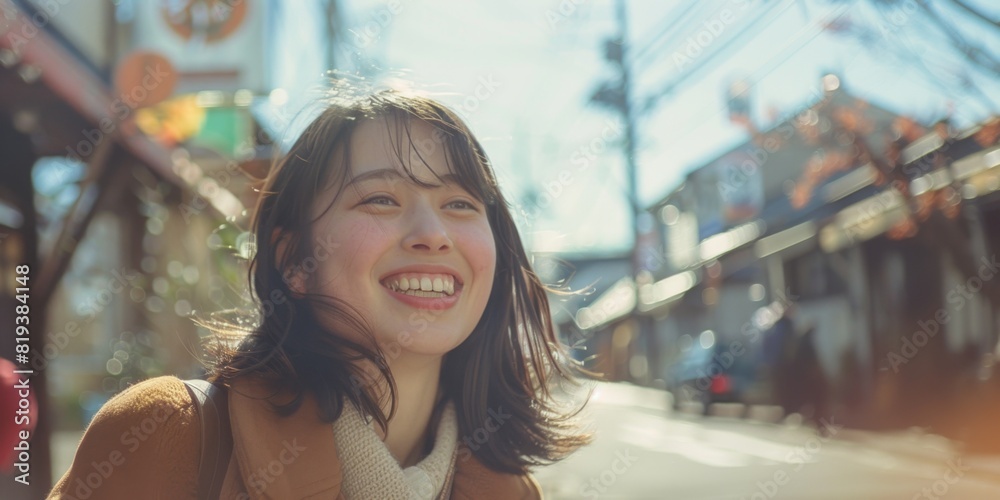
[(216, 436)]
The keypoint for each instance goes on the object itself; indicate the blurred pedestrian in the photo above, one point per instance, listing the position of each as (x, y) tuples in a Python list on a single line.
[(778, 350), (809, 391)]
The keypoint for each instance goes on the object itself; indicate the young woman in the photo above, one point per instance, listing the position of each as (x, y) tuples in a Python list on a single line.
[(403, 347)]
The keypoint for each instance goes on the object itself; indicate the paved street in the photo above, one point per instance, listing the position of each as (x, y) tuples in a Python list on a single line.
[(644, 451)]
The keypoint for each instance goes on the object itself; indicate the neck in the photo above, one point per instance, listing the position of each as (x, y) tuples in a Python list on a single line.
[(417, 379)]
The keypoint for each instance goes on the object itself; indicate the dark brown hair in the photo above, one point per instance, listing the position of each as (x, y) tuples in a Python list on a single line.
[(508, 362)]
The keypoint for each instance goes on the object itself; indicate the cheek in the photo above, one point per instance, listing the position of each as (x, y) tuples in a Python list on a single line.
[(360, 235), (482, 252), (358, 242)]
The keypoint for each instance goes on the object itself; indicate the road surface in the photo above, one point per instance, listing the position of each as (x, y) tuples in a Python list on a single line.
[(645, 451)]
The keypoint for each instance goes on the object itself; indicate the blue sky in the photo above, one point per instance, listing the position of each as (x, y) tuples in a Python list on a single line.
[(533, 65)]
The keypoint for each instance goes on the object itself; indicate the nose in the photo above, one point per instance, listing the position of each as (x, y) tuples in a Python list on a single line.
[(426, 231)]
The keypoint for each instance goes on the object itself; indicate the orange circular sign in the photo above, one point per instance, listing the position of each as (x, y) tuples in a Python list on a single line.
[(209, 20), (144, 78)]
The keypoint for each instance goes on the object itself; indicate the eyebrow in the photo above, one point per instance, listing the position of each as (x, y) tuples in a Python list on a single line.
[(392, 174)]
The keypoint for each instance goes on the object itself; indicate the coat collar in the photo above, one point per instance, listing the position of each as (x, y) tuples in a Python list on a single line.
[(296, 456), (281, 457)]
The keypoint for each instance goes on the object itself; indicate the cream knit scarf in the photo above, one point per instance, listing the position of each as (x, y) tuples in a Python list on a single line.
[(370, 471)]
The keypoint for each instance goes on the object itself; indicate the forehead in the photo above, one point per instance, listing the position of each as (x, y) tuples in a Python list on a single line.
[(413, 147)]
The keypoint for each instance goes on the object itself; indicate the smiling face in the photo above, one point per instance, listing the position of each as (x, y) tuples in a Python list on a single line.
[(416, 258)]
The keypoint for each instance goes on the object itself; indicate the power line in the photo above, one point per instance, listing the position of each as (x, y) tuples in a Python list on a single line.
[(647, 47), (970, 87), (801, 45), (795, 43), (798, 45), (652, 100), (753, 79)]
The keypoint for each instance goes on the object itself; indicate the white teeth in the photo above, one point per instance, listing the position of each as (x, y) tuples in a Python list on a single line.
[(433, 284)]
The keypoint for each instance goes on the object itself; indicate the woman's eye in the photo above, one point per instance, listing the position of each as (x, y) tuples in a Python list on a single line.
[(462, 205), (379, 200)]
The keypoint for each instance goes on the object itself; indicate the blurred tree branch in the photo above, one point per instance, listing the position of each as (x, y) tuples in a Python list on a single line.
[(974, 53), (975, 13), (844, 144)]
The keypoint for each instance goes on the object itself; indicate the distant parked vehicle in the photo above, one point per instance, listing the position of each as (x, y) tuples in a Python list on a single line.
[(709, 375)]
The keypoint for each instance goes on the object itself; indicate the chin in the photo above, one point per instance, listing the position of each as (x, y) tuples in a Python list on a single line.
[(429, 342)]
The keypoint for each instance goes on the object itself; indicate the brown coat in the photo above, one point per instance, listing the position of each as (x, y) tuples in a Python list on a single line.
[(145, 443)]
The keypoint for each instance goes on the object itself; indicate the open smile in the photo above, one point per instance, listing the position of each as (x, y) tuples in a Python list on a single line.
[(421, 284), (424, 290)]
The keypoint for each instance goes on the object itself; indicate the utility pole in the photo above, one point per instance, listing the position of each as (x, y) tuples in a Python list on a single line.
[(334, 31), (617, 95)]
